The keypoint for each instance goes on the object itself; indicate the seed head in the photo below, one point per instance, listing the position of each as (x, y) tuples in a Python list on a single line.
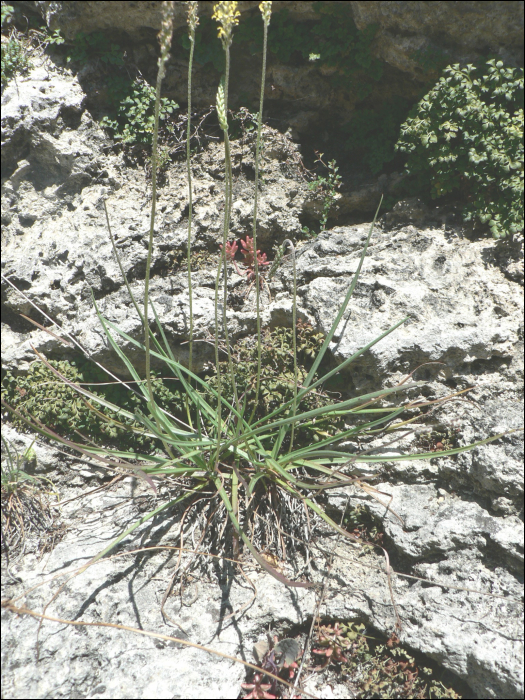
[(266, 10), (227, 14), (193, 15), (165, 34), (221, 107)]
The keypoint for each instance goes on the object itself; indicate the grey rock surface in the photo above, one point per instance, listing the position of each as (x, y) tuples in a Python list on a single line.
[(406, 28), (449, 539)]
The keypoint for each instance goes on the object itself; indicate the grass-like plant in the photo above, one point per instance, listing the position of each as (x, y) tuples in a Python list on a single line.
[(223, 448), (24, 507)]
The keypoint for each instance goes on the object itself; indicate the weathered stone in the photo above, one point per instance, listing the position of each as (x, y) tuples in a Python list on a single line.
[(462, 31)]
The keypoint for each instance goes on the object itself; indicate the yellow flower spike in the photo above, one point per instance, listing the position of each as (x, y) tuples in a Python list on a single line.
[(227, 14), (193, 16), (266, 10)]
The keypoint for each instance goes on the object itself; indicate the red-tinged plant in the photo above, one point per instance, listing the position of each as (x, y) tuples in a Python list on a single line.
[(332, 644), (249, 257), (231, 250), (258, 688), (279, 660)]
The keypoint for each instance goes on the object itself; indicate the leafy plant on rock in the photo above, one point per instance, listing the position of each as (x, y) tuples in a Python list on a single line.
[(7, 12), (333, 642), (249, 257), (466, 134), (136, 115), (326, 187), (387, 670), (53, 403), (279, 658), (277, 377), (13, 51)]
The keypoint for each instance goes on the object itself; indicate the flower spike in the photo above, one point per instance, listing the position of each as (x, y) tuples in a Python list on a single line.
[(227, 14), (266, 11)]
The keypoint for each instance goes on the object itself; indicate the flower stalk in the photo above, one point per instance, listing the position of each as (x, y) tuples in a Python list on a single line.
[(266, 12), (165, 35)]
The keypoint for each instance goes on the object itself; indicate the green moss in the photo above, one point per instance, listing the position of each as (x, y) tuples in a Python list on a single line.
[(44, 397), (277, 375)]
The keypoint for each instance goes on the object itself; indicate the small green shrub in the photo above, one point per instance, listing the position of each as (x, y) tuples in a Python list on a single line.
[(7, 13), (55, 39), (325, 186), (136, 114), (14, 59), (13, 52), (131, 102), (466, 134)]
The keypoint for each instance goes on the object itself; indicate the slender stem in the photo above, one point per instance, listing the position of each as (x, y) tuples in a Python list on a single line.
[(227, 216), (150, 242), (217, 364), (190, 213), (223, 264), (190, 192), (254, 232), (160, 75), (235, 508), (150, 248), (294, 337)]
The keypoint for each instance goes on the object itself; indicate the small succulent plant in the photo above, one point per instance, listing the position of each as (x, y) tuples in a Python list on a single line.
[(333, 642), (279, 658), (249, 257)]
